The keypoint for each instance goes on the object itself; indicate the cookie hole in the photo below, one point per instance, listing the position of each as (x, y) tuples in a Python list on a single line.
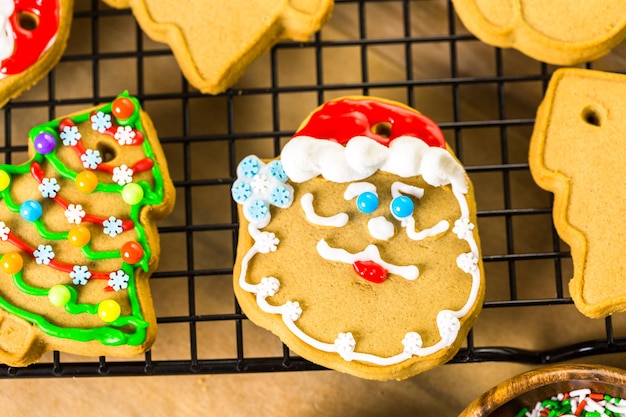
[(592, 116), (28, 21), (382, 129), (107, 152)]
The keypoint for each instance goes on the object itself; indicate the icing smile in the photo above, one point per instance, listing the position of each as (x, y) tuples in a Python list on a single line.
[(368, 263)]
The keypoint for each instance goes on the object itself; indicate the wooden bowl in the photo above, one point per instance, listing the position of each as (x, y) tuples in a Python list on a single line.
[(524, 390)]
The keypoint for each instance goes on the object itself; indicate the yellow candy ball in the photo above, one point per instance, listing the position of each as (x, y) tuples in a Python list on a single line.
[(11, 262), (86, 181), (79, 236), (109, 310), (5, 180)]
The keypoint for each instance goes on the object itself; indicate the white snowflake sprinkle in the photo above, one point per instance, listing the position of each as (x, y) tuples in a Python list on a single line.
[(463, 228), (75, 213), (91, 158), (448, 325), (101, 121), (122, 175), (260, 183), (43, 254), (124, 135), (70, 135), (4, 231), (412, 343), (118, 280), (80, 275), (345, 344), (468, 262), (112, 226), (266, 242), (268, 287), (293, 311), (49, 187)]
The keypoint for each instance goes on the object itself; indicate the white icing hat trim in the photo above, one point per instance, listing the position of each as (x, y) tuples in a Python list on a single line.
[(304, 158)]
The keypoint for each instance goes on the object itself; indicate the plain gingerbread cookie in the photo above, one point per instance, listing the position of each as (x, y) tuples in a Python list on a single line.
[(560, 32)]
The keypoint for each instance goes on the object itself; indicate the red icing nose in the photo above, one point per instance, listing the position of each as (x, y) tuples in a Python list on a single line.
[(370, 271)]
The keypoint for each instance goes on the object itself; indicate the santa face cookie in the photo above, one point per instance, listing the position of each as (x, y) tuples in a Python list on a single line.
[(358, 247), (78, 238), (33, 36)]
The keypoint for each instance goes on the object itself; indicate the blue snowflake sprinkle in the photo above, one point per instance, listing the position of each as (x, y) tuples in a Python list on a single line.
[(249, 166), (258, 209), (276, 170), (241, 191), (281, 196)]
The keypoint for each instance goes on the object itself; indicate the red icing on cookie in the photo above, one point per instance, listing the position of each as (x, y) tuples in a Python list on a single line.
[(341, 120), (370, 271), (35, 24)]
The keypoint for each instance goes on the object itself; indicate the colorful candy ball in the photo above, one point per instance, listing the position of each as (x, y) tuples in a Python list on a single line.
[(45, 143), (86, 181), (59, 295), (11, 262), (132, 193), (122, 108), (131, 252), (31, 210), (79, 236), (5, 180), (109, 310)]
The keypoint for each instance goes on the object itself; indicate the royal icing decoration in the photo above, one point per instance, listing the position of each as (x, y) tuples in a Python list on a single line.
[(28, 29), (355, 153), (119, 326)]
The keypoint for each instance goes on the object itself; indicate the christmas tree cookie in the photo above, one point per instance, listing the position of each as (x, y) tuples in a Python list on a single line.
[(78, 239), (359, 246)]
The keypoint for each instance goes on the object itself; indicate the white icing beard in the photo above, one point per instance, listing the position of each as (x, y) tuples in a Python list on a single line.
[(304, 158)]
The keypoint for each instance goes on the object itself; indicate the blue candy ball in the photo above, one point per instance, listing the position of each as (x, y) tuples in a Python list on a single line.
[(402, 206), (30, 210), (367, 202)]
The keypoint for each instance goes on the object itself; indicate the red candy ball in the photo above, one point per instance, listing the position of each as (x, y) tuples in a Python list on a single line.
[(122, 108), (132, 252)]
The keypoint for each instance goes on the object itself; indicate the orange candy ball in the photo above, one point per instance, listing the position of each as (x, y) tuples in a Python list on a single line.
[(122, 108), (79, 236), (86, 182), (131, 252), (11, 262)]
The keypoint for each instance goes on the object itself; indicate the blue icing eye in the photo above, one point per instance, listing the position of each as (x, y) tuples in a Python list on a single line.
[(402, 207), (258, 210), (281, 196), (241, 191), (276, 170), (249, 166), (367, 202)]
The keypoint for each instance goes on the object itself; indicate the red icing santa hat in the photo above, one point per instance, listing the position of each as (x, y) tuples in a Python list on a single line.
[(349, 139)]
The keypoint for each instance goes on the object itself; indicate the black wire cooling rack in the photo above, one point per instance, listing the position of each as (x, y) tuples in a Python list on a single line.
[(483, 98)]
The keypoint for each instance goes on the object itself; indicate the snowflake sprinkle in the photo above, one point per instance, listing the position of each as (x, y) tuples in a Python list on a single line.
[(75, 213), (124, 135), (345, 344), (268, 287), (122, 175), (468, 262), (412, 342), (266, 242), (4, 231), (112, 226), (80, 275), (70, 135), (43, 254), (49, 187), (91, 158), (101, 121), (118, 280), (463, 228)]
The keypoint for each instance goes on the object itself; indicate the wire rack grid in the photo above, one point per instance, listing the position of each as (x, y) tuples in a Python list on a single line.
[(416, 52)]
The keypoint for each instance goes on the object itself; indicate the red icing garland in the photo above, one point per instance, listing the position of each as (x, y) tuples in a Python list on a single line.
[(341, 120)]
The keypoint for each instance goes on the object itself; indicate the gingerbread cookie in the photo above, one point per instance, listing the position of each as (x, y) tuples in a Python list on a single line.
[(78, 238), (562, 32), (214, 42), (33, 38), (576, 153), (358, 246)]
